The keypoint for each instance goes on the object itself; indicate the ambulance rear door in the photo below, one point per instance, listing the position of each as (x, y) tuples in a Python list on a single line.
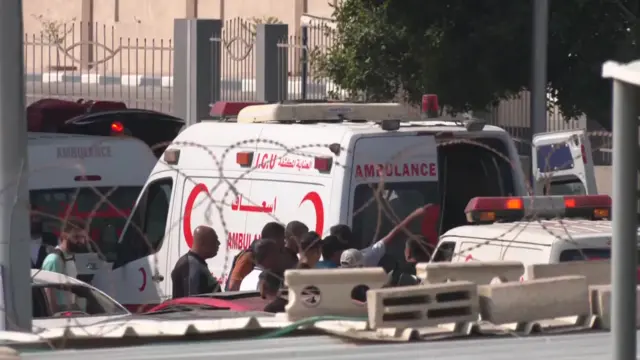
[(392, 174), (563, 164)]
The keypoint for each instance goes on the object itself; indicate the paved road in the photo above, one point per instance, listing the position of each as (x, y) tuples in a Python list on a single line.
[(146, 97)]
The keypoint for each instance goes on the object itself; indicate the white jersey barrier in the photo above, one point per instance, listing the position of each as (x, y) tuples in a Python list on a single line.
[(572, 294)]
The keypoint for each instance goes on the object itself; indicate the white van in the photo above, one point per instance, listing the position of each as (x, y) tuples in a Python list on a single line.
[(565, 228), (318, 163), (94, 178)]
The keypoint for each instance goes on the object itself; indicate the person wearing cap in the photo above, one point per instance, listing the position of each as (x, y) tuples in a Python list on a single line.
[(266, 256), (351, 258)]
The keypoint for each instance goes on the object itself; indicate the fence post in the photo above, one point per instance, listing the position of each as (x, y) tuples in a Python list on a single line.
[(196, 67), (305, 61), (272, 65)]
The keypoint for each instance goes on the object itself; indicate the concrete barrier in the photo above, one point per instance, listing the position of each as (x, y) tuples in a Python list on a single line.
[(597, 272), (534, 300), (600, 296), (328, 291), (422, 306), (477, 272)]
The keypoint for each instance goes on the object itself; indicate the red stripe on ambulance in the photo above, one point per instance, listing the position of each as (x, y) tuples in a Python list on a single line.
[(397, 170)]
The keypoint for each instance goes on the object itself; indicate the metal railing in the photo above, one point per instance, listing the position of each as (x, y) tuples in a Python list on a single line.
[(105, 66)]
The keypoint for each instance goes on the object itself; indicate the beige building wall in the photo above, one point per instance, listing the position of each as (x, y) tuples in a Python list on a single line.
[(135, 36)]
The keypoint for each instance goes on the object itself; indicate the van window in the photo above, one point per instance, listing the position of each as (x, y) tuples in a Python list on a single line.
[(571, 186), (101, 208), (444, 252), (587, 254), (143, 236), (480, 167), (371, 217)]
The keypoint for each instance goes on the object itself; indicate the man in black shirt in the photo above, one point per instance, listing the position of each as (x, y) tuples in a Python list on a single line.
[(191, 276)]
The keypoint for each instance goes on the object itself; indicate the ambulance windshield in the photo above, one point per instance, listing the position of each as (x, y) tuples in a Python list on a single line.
[(374, 217), (104, 209)]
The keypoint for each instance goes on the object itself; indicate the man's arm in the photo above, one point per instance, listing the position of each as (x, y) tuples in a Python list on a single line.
[(243, 267), (374, 253)]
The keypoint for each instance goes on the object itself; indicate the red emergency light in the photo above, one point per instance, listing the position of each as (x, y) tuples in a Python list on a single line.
[(117, 128), (322, 164), (227, 109), (506, 209), (430, 107)]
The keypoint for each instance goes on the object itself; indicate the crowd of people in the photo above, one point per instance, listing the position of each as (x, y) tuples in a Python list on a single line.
[(262, 266)]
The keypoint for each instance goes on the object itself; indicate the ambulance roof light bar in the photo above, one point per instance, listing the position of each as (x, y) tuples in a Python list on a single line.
[(222, 110), (389, 115), (483, 210)]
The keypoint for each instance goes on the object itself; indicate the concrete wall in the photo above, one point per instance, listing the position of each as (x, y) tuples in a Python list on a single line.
[(135, 36)]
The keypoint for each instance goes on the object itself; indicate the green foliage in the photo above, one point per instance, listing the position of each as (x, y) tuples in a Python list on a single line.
[(474, 53)]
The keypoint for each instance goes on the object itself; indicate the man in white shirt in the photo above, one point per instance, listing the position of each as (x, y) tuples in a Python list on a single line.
[(266, 257)]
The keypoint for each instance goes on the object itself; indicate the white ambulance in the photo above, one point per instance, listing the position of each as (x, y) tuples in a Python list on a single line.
[(531, 230), (93, 178), (319, 163)]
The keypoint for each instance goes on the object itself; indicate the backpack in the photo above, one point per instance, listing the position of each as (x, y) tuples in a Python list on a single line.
[(233, 265), (59, 252)]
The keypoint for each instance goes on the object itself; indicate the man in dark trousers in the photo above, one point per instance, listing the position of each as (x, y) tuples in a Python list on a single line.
[(191, 276)]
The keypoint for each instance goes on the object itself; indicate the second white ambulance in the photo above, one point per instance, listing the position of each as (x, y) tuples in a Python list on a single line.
[(319, 163)]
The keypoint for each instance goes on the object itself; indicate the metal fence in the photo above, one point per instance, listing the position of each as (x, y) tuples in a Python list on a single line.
[(59, 62), (247, 62)]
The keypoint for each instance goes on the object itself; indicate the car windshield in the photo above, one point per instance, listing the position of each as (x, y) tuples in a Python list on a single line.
[(77, 300), (104, 209)]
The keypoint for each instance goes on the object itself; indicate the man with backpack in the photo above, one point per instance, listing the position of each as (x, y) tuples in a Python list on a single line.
[(61, 260)]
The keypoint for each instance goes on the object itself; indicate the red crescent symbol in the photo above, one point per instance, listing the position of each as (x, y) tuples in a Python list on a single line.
[(188, 208), (316, 200), (468, 258), (144, 279)]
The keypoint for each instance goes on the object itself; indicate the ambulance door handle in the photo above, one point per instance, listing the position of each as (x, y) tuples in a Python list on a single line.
[(157, 278)]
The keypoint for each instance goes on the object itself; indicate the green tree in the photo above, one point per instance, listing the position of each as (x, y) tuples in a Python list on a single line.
[(474, 53)]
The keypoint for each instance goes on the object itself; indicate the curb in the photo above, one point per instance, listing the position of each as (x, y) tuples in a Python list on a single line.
[(317, 89)]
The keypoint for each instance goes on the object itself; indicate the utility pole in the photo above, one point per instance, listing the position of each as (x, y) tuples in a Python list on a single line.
[(539, 81), (14, 217), (624, 262)]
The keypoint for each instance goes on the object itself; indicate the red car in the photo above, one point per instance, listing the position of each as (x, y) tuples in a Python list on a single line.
[(233, 300)]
